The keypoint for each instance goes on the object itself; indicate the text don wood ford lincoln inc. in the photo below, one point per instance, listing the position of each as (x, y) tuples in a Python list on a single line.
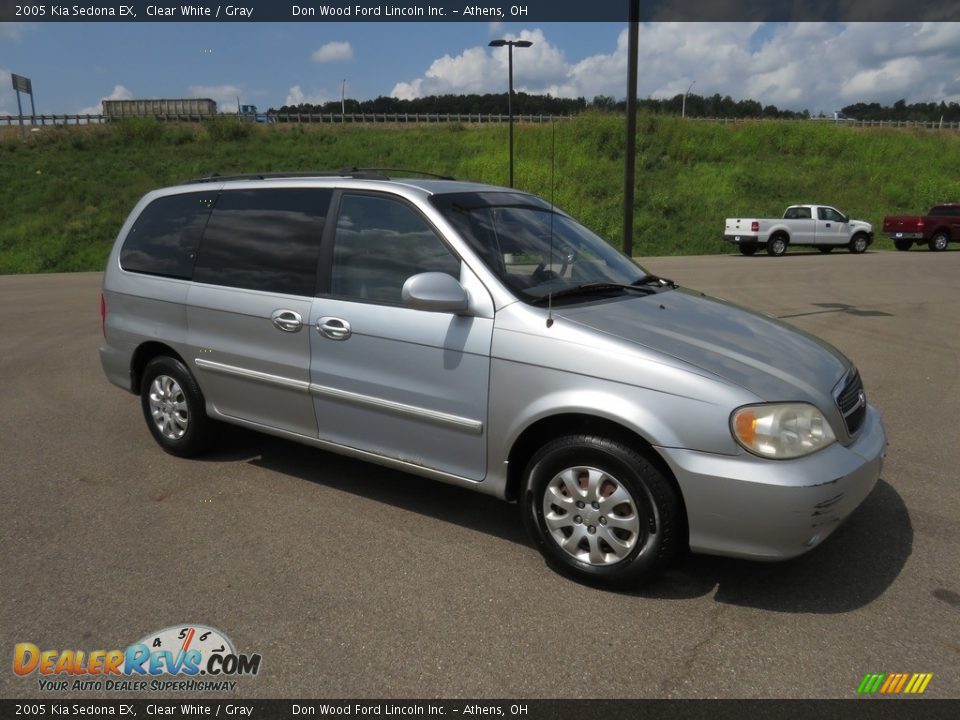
[(182, 658)]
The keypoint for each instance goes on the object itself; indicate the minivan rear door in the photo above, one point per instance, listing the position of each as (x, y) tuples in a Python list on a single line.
[(249, 305)]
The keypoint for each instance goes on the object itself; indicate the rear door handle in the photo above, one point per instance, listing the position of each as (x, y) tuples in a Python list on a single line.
[(287, 320), (334, 328)]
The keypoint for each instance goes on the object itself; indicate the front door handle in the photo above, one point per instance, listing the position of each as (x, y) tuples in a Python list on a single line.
[(334, 328), (287, 320)]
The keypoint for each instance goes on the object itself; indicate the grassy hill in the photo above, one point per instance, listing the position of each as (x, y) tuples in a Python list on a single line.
[(64, 192)]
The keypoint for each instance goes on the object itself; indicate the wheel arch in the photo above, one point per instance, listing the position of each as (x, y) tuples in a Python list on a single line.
[(545, 429), (144, 353)]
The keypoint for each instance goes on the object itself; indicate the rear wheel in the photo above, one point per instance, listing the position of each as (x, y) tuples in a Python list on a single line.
[(174, 408), (939, 241), (748, 249), (858, 244), (600, 512), (777, 246), (903, 245)]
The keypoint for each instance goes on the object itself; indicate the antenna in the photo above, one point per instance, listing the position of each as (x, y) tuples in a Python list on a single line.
[(553, 188)]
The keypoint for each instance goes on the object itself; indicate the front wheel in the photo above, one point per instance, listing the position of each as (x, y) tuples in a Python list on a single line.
[(858, 244), (939, 242), (600, 512), (777, 246), (173, 407)]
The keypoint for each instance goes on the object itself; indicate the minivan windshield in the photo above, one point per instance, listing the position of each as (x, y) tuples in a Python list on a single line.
[(535, 249)]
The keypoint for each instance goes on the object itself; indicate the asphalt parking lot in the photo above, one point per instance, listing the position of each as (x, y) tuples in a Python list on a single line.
[(355, 581)]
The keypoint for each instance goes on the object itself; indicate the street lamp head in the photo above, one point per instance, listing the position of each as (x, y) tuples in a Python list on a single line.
[(511, 43)]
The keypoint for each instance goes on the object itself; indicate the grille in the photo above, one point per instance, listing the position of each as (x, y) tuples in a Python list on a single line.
[(852, 401)]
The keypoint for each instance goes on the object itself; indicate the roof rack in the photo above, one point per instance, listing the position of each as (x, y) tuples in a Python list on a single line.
[(352, 172), (405, 171)]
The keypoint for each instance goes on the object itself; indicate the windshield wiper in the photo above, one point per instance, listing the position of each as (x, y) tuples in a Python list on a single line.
[(656, 280), (591, 289)]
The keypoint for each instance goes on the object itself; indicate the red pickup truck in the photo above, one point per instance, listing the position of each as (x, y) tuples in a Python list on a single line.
[(937, 228)]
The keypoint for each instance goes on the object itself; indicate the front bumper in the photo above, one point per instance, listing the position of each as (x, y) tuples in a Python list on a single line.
[(749, 507)]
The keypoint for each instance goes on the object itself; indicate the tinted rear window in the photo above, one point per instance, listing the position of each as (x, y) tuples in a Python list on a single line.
[(264, 240), (164, 238), (946, 211)]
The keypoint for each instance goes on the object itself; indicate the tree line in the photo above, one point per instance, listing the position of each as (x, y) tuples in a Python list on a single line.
[(713, 106), (900, 110)]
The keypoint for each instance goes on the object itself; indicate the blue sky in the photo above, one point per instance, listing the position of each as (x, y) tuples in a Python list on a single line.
[(814, 66)]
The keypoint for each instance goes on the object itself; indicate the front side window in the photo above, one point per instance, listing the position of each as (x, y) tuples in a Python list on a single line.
[(266, 239), (534, 249), (163, 240), (380, 242), (830, 215)]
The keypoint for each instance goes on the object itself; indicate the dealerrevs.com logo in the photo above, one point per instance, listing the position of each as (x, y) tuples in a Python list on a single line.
[(186, 657)]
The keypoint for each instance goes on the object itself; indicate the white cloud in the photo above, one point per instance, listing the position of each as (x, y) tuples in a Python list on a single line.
[(484, 69), (224, 95), (333, 52), (119, 93), (815, 66), (296, 96)]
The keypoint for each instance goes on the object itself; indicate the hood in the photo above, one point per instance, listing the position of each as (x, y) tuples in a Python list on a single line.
[(773, 360), (862, 225)]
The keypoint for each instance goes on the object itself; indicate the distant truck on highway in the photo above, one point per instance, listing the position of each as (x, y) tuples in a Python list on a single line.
[(249, 112), (819, 226), (164, 109), (937, 228)]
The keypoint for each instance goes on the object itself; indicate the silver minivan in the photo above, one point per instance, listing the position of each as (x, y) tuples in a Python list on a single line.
[(480, 336)]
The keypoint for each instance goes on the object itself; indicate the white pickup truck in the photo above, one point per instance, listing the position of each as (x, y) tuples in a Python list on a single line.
[(819, 226)]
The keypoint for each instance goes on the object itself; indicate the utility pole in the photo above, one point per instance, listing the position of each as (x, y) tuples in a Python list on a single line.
[(631, 159)]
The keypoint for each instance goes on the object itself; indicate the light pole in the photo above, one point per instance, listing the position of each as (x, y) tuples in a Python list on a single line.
[(510, 45), (683, 108), (343, 93)]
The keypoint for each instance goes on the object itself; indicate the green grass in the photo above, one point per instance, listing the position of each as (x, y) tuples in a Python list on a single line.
[(65, 192)]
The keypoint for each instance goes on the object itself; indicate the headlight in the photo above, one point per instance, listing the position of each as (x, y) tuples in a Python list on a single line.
[(781, 430)]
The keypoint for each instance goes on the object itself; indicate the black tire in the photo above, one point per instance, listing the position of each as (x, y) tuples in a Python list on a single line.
[(748, 249), (825, 250), (777, 245), (939, 241), (903, 245), (858, 244), (620, 544), (174, 408)]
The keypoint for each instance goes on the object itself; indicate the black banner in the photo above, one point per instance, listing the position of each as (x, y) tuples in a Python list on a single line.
[(862, 709), (528, 11)]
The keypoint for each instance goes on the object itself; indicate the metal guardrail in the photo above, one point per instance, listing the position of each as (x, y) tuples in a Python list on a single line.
[(287, 118), (337, 118)]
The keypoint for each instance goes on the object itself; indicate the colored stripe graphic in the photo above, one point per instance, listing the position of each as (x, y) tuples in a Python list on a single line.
[(870, 683), (918, 683), (894, 683)]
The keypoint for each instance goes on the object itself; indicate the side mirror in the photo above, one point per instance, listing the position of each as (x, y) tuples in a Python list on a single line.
[(435, 292)]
